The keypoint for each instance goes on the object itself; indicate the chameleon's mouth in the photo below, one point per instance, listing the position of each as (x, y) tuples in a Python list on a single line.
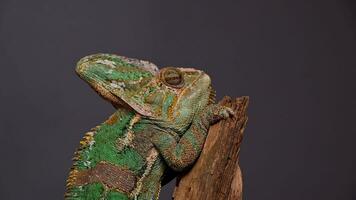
[(107, 95)]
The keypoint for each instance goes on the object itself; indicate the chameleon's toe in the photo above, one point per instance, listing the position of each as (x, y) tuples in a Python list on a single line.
[(226, 112), (231, 112)]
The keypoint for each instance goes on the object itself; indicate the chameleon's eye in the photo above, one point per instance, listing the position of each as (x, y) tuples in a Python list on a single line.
[(172, 77)]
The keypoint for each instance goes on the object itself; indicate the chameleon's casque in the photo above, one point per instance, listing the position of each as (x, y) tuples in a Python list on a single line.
[(160, 125)]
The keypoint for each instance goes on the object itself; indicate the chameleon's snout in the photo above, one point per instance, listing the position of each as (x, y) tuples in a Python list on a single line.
[(117, 78), (83, 64)]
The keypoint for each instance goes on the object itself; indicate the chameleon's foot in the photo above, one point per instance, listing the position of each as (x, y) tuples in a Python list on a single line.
[(219, 112), (226, 112)]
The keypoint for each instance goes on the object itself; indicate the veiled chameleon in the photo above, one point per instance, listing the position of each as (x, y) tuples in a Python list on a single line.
[(161, 121)]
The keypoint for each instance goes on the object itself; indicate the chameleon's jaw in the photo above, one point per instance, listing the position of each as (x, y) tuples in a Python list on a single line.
[(106, 94), (98, 85), (81, 70)]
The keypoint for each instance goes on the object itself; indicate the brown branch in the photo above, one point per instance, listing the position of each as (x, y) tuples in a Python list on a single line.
[(217, 175)]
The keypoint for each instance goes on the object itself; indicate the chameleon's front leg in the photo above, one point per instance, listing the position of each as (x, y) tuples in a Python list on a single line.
[(151, 186), (181, 154)]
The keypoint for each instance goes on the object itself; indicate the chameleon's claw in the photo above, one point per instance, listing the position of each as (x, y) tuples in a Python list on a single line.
[(231, 112), (227, 112)]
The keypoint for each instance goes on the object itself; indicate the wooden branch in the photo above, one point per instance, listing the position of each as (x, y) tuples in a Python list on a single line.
[(217, 175)]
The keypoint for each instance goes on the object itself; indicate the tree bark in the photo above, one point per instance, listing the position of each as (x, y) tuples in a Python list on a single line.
[(216, 174)]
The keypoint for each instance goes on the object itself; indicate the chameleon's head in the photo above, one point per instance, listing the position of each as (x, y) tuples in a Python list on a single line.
[(169, 94), (179, 93)]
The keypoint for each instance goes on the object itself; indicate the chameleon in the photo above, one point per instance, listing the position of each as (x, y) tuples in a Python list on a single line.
[(158, 129)]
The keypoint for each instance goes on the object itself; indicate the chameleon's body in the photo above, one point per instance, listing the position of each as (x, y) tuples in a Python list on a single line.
[(161, 123)]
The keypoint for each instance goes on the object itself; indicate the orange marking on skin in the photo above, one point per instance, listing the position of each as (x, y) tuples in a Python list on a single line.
[(112, 119), (171, 108)]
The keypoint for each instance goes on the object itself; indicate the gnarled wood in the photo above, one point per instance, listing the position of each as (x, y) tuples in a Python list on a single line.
[(217, 175)]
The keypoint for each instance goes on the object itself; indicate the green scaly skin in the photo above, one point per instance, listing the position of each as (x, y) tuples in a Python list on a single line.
[(160, 124)]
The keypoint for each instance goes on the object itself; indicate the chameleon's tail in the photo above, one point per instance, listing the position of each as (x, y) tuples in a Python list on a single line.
[(93, 191)]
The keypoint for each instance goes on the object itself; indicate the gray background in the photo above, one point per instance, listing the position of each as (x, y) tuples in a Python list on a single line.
[(295, 59)]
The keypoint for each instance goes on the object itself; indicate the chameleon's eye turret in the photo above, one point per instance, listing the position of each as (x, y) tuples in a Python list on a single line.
[(172, 77)]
